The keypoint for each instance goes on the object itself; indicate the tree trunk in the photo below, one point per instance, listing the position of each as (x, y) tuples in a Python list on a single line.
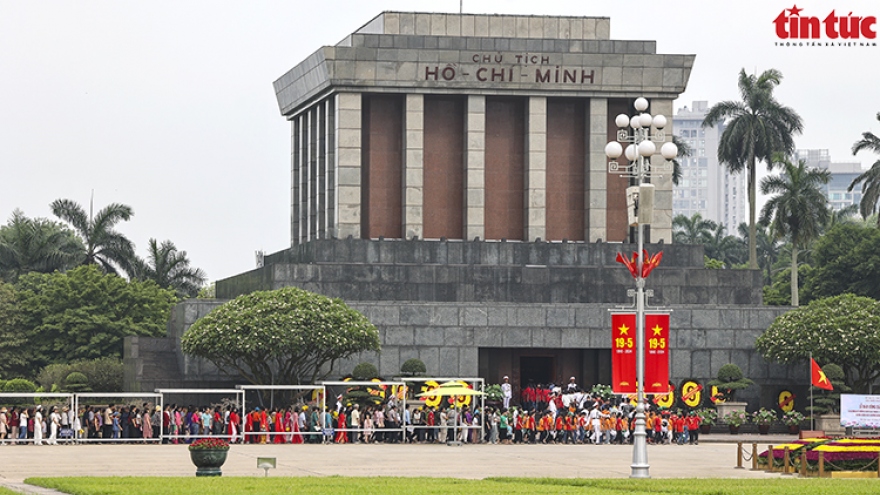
[(794, 275), (753, 230)]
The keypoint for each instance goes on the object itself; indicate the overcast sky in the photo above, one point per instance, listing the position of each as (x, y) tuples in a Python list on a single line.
[(168, 106)]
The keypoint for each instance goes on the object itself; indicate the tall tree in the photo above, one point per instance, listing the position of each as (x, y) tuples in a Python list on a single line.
[(684, 151), (287, 335), (798, 210), (170, 269), (85, 314), (36, 245), (768, 248), (693, 230), (757, 127), (727, 248), (104, 246), (870, 180)]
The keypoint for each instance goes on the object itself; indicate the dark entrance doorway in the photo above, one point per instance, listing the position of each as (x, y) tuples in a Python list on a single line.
[(536, 369)]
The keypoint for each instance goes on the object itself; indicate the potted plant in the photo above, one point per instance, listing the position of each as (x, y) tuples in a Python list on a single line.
[(793, 420), (494, 395), (708, 417), (729, 380), (764, 418), (208, 454), (735, 419), (826, 406)]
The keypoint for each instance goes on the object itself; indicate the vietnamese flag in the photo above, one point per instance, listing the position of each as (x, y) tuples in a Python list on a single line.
[(657, 353), (819, 379), (623, 353)]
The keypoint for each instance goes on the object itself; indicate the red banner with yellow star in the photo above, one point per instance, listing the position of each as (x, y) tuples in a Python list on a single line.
[(656, 353), (623, 353)]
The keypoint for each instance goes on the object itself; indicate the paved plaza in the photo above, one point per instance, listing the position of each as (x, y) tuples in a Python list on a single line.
[(711, 459)]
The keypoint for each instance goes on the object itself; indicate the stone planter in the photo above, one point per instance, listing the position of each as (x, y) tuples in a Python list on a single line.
[(208, 461), (726, 407), (830, 424), (794, 429), (763, 429), (734, 430)]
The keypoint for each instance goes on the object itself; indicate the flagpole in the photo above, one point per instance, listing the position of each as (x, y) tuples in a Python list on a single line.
[(812, 411)]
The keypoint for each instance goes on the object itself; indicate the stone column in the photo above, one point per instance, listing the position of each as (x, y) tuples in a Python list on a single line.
[(413, 164), (536, 169), (597, 170), (661, 229), (475, 168), (348, 164)]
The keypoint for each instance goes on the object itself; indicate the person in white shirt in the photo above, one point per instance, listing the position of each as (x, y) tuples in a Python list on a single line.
[(506, 392), (355, 423), (54, 424), (38, 426)]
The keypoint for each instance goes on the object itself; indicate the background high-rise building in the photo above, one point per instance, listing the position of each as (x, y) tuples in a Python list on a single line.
[(706, 187), (842, 175)]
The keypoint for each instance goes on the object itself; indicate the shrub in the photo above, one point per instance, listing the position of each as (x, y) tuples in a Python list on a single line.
[(413, 367), (365, 371), (20, 385), (103, 374), (76, 382), (730, 379)]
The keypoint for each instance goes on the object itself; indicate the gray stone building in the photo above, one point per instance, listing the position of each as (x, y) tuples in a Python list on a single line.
[(448, 179)]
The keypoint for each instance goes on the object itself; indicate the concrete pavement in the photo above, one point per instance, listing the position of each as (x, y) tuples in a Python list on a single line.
[(715, 457)]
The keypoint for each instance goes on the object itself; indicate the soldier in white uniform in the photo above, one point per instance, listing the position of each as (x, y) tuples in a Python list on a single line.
[(506, 392)]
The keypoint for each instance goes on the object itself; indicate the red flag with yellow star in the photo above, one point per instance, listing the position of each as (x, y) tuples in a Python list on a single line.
[(623, 353), (657, 353), (818, 376)]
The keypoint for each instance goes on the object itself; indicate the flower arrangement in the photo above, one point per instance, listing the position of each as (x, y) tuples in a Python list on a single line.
[(792, 418), (764, 417), (736, 418), (209, 444), (708, 416)]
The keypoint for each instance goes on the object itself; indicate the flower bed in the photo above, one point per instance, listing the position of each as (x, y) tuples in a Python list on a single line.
[(846, 454)]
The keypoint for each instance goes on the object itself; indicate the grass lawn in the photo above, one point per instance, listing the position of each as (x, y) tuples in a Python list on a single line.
[(6, 491), (430, 486)]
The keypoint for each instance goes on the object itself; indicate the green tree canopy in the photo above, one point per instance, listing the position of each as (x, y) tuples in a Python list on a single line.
[(798, 210), (12, 336), (103, 245), (36, 245), (85, 314), (843, 329), (756, 127), (870, 180), (170, 269), (288, 336), (846, 259)]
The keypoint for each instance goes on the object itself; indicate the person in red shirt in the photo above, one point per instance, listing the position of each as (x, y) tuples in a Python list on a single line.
[(693, 424), (678, 424)]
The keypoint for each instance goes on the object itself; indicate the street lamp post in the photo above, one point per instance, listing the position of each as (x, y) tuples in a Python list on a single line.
[(636, 132)]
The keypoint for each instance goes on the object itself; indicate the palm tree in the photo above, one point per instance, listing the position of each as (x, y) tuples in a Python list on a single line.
[(103, 245), (170, 269), (870, 179), (693, 230), (757, 127), (727, 248), (843, 215), (798, 210), (684, 150), (35, 245), (768, 248)]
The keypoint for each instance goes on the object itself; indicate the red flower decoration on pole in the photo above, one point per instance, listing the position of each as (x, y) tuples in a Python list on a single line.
[(648, 265)]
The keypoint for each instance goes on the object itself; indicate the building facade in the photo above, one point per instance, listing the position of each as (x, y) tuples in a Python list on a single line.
[(842, 175), (464, 126), (449, 181), (706, 187)]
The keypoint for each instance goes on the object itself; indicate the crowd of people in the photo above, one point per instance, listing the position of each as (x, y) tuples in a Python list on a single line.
[(546, 414)]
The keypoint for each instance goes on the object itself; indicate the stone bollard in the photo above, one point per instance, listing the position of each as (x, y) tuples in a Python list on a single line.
[(739, 455), (786, 461), (754, 457), (769, 458)]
